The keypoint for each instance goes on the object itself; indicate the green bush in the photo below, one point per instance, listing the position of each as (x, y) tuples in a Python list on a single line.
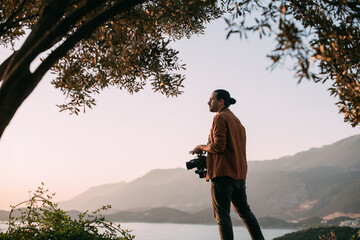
[(323, 233), (356, 236), (41, 219)]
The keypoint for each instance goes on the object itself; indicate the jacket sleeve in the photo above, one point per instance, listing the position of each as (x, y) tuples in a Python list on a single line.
[(219, 133)]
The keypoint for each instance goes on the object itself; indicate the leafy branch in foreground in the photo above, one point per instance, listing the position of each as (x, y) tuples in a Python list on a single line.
[(322, 39), (42, 219)]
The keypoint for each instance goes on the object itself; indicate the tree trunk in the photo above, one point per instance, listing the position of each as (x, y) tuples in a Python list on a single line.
[(12, 96)]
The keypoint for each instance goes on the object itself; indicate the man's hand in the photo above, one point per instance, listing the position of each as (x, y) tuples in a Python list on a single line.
[(202, 148), (197, 150)]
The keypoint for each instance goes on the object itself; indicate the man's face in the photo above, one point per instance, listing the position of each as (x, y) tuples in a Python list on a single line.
[(215, 105)]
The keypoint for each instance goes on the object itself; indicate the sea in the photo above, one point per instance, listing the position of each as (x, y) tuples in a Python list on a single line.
[(170, 231)]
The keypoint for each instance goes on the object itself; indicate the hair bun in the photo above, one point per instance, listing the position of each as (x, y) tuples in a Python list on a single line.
[(232, 101)]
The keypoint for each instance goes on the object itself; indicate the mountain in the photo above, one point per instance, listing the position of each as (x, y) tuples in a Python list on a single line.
[(174, 188), (314, 183), (343, 154), (170, 215), (4, 215), (317, 182)]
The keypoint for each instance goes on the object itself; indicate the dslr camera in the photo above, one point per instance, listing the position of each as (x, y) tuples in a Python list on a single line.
[(199, 163)]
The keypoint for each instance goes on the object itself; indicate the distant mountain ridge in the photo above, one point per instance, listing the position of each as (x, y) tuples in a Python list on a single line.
[(172, 188), (170, 215), (325, 156), (314, 183)]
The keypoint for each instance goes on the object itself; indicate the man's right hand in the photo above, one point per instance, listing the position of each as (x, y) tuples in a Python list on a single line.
[(199, 149)]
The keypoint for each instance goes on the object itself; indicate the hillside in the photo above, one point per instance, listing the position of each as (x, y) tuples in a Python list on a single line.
[(326, 233), (313, 183), (174, 188)]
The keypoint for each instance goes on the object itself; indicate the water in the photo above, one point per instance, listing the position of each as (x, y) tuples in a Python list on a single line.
[(169, 231)]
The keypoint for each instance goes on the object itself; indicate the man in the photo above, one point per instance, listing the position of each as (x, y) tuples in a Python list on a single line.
[(227, 167)]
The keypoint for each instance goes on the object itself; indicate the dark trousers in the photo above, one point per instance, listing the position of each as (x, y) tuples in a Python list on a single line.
[(224, 191)]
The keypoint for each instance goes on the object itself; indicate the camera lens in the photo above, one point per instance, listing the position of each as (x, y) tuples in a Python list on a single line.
[(190, 164)]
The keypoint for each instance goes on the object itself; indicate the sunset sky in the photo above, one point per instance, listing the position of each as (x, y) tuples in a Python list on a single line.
[(125, 136)]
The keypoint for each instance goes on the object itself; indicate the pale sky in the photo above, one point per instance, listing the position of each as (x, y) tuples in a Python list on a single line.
[(125, 136)]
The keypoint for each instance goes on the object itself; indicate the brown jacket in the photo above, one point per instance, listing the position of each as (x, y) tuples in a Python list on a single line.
[(228, 140)]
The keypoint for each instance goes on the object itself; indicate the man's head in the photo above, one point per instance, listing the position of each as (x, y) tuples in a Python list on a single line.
[(219, 100)]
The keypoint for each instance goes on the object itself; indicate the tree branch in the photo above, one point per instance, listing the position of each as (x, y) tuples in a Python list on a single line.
[(35, 45), (11, 17), (3, 67), (86, 30), (62, 28), (19, 83)]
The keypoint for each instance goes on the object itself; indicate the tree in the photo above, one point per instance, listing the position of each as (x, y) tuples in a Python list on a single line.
[(92, 44), (322, 36)]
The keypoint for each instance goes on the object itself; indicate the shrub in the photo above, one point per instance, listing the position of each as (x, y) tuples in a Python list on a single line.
[(41, 219), (322, 233)]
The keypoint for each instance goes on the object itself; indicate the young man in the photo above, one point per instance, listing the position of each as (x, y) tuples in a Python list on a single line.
[(227, 167)]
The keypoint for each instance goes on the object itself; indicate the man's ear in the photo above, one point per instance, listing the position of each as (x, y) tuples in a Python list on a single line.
[(221, 101)]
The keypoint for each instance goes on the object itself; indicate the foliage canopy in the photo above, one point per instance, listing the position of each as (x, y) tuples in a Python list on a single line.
[(93, 44), (322, 36)]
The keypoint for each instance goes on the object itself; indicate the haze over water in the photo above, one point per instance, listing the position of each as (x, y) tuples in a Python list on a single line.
[(151, 231), (163, 231)]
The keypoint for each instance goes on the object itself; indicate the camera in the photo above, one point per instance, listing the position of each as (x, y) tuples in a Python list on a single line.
[(199, 163)]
